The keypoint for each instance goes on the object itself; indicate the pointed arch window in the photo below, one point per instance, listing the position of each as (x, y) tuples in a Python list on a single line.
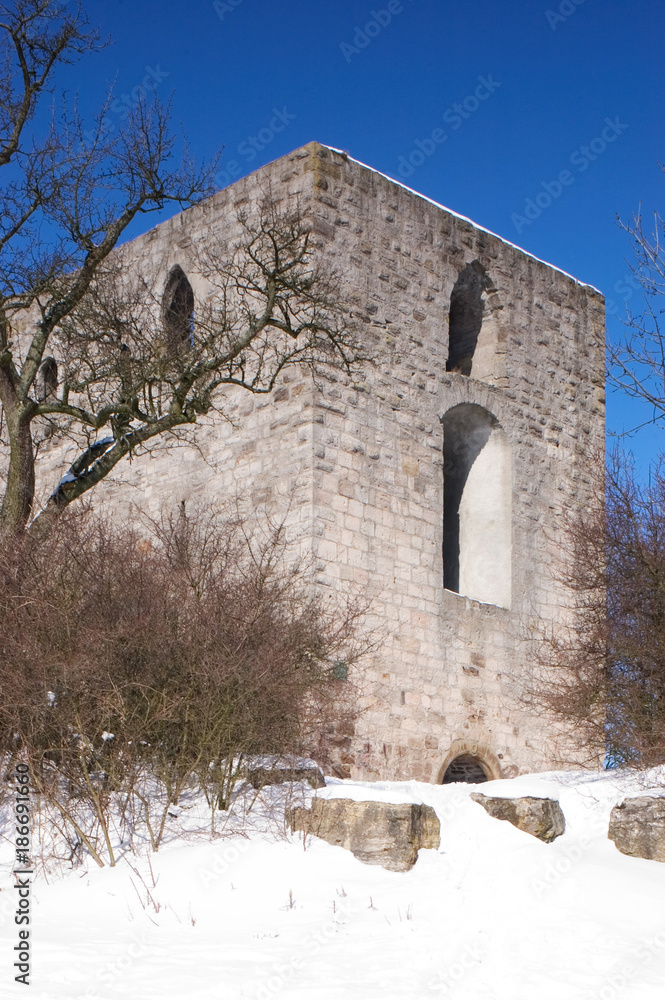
[(178, 311), (46, 383), (476, 341)]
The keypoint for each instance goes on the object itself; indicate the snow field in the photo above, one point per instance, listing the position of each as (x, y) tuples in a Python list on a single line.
[(493, 915)]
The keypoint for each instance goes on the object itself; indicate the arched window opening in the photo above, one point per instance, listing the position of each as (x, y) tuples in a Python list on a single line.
[(46, 383), (466, 318), (477, 489), (465, 768), (475, 337), (178, 311)]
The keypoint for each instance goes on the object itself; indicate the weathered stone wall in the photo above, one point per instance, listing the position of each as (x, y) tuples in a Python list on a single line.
[(225, 459), (453, 669), (361, 469)]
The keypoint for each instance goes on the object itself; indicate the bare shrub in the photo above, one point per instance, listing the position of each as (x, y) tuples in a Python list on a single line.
[(139, 660), (605, 666)]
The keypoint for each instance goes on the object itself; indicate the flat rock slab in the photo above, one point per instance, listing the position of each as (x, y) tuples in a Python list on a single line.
[(259, 777), (542, 818), (637, 827), (378, 833)]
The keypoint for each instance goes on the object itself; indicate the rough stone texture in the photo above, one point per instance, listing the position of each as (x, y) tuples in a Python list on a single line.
[(637, 827), (542, 818), (361, 470), (259, 777), (378, 833)]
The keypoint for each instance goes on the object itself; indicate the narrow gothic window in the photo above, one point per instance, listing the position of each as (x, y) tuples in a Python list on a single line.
[(178, 311), (476, 336), (466, 318), (477, 489), (46, 383)]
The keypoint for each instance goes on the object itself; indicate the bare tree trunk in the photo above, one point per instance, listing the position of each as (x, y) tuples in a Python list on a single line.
[(20, 489), (63, 186)]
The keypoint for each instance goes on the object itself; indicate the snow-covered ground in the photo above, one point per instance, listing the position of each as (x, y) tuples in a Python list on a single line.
[(493, 915)]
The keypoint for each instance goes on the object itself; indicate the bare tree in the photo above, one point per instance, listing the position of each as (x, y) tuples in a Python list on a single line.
[(637, 361), (605, 668), (131, 659), (141, 368), (86, 351), (605, 665)]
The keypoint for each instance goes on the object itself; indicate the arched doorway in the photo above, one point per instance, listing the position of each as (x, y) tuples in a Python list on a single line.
[(465, 768), (471, 762)]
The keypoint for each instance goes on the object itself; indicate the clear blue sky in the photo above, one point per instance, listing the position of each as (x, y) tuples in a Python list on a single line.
[(551, 77)]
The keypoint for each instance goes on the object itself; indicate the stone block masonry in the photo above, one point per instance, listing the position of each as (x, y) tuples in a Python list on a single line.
[(439, 483)]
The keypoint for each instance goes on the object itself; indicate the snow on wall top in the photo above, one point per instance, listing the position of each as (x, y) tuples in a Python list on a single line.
[(464, 218)]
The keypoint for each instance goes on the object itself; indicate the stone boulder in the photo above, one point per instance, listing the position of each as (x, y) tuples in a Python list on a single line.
[(378, 833), (637, 827), (542, 818), (274, 774)]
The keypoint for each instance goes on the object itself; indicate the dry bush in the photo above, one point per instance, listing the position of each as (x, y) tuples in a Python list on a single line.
[(605, 668), (132, 658)]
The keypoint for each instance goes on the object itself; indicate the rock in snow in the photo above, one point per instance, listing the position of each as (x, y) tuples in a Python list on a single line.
[(378, 833), (542, 818), (280, 772), (637, 827)]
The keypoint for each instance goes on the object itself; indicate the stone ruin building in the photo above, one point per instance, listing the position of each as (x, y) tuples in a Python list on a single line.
[(440, 487)]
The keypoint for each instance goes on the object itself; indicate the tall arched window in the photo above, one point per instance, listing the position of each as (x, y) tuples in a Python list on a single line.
[(178, 311), (477, 490), (475, 337), (46, 383)]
